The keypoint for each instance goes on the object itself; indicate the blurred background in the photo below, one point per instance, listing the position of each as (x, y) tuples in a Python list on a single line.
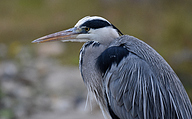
[(42, 81)]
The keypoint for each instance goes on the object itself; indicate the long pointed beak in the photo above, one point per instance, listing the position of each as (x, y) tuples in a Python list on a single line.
[(62, 35)]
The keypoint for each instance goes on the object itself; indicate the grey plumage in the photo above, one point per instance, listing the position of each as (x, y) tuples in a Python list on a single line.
[(142, 86), (128, 78)]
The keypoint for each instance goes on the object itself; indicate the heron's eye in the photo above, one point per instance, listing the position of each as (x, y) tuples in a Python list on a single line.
[(87, 29)]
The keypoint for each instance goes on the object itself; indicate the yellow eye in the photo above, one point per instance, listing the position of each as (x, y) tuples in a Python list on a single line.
[(87, 29)]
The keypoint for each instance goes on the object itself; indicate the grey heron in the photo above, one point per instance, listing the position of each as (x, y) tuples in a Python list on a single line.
[(128, 78)]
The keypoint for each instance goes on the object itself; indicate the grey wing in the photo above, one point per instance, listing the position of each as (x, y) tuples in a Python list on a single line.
[(133, 91)]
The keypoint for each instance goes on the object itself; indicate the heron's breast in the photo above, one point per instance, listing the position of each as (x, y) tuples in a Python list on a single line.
[(88, 56)]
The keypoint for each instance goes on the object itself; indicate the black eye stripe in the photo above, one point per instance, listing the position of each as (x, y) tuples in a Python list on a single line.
[(95, 24)]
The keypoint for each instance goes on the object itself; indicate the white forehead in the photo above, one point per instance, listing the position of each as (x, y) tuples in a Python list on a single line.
[(88, 18)]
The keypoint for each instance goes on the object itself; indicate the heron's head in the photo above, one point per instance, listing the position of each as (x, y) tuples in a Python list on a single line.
[(88, 28)]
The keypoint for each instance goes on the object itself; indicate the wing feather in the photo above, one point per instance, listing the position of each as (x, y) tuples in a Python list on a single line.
[(143, 85)]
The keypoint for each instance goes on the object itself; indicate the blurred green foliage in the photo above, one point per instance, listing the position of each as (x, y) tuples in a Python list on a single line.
[(6, 114), (165, 25)]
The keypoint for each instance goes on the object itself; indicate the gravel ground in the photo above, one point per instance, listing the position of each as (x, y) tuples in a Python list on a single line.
[(70, 115), (43, 89)]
